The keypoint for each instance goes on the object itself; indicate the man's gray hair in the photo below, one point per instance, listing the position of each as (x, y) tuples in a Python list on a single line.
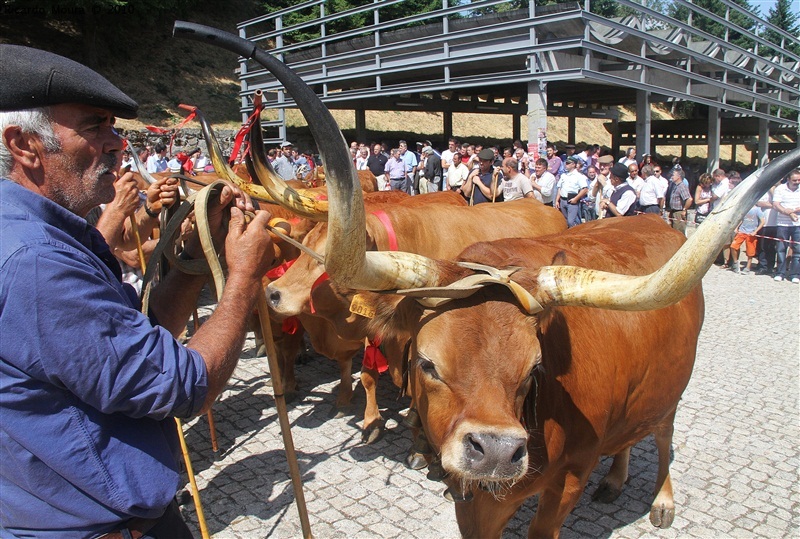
[(34, 121)]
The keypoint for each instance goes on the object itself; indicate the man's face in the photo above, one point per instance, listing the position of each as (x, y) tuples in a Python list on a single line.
[(591, 173), (539, 169), (603, 168), (451, 146), (551, 152), (376, 149), (793, 182), (81, 175), (569, 165), (485, 165), (287, 151), (657, 172), (403, 149), (633, 171)]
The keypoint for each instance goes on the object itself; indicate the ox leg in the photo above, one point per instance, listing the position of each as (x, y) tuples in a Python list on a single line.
[(287, 348), (484, 517), (662, 512), (610, 487), (345, 392), (556, 503), (373, 422)]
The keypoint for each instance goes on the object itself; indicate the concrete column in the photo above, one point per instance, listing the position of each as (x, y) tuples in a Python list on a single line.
[(447, 124), (763, 138), (714, 130), (361, 125), (642, 123), (537, 117)]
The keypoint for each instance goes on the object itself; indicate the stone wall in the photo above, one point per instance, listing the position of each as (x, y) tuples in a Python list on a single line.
[(185, 140)]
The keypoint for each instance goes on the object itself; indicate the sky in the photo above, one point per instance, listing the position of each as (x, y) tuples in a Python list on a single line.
[(766, 5)]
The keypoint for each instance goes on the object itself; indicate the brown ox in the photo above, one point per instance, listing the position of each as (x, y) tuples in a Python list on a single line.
[(419, 228), (504, 427)]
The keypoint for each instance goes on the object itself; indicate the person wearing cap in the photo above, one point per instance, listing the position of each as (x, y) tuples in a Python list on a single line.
[(284, 164), (484, 184), (601, 186), (432, 171), (90, 385), (623, 198), (571, 188)]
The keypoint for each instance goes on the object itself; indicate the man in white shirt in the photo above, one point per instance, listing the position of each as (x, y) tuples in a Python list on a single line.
[(786, 202), (629, 157), (543, 182), (572, 187), (651, 200), (633, 179), (457, 173), (515, 184), (158, 161), (719, 188), (447, 155)]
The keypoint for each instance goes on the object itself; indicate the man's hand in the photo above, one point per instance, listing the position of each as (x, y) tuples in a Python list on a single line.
[(126, 198), (162, 194), (248, 247)]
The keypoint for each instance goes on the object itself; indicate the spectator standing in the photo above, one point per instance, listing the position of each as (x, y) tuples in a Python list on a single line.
[(767, 244), (410, 161), (623, 198), (361, 160), (515, 184), (543, 182), (376, 163), (746, 232), (572, 188), (719, 187), (650, 193), (201, 162), (679, 202), (787, 204), (395, 171), (284, 164), (602, 187), (629, 158), (555, 165), (589, 203), (447, 155), (457, 174), (484, 183), (432, 171), (158, 161), (702, 197)]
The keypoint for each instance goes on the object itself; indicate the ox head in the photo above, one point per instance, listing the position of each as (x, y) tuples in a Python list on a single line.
[(471, 409)]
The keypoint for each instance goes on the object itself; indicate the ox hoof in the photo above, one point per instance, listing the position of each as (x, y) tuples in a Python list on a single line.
[(415, 461), (606, 493), (372, 434), (412, 419), (183, 497), (436, 471), (662, 516), (452, 495)]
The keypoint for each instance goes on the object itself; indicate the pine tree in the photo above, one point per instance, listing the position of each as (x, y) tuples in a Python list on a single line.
[(782, 16)]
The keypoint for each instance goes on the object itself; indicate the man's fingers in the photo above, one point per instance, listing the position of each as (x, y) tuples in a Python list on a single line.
[(237, 222)]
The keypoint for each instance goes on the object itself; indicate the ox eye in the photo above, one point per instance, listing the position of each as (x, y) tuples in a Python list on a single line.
[(428, 367)]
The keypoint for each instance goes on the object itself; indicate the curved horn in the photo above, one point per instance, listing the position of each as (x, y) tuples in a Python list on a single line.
[(221, 166), (346, 259), (300, 201), (569, 285)]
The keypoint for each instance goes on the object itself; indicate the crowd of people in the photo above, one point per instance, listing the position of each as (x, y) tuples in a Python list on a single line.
[(588, 183)]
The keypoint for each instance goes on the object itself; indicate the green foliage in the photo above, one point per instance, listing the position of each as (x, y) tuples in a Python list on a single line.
[(714, 28), (782, 16)]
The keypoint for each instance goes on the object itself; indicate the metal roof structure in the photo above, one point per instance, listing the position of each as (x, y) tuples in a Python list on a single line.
[(451, 60)]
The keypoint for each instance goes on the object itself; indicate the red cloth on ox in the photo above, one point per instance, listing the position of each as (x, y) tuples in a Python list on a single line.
[(291, 325), (240, 137), (374, 358), (387, 224), (278, 271), (321, 279)]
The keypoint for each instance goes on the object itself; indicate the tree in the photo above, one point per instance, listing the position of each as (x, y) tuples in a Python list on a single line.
[(710, 26), (782, 16)]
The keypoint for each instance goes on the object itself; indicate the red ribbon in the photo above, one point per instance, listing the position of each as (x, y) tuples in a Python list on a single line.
[(387, 224), (291, 325), (374, 358), (239, 139), (321, 279), (278, 271)]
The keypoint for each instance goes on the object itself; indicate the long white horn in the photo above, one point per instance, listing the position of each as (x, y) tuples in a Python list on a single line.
[(347, 260), (569, 285)]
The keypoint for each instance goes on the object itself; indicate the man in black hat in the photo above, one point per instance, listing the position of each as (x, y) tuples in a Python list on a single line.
[(90, 384), (484, 184), (623, 198)]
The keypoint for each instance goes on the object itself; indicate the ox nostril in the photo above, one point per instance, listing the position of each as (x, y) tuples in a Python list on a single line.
[(475, 451), (274, 297), (520, 453)]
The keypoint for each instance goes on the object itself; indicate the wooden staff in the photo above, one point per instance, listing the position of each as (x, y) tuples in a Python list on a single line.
[(212, 428), (184, 448)]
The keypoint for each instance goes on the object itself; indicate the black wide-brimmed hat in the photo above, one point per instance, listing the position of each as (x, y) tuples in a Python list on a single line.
[(32, 78)]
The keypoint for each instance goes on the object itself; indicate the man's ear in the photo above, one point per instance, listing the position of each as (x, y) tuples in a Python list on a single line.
[(25, 148)]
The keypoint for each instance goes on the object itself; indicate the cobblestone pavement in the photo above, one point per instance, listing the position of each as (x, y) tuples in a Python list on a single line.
[(735, 448)]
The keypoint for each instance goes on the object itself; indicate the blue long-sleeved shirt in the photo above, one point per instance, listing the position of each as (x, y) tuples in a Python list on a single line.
[(87, 383)]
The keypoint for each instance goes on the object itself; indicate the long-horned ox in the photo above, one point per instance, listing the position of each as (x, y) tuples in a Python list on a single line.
[(515, 394)]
